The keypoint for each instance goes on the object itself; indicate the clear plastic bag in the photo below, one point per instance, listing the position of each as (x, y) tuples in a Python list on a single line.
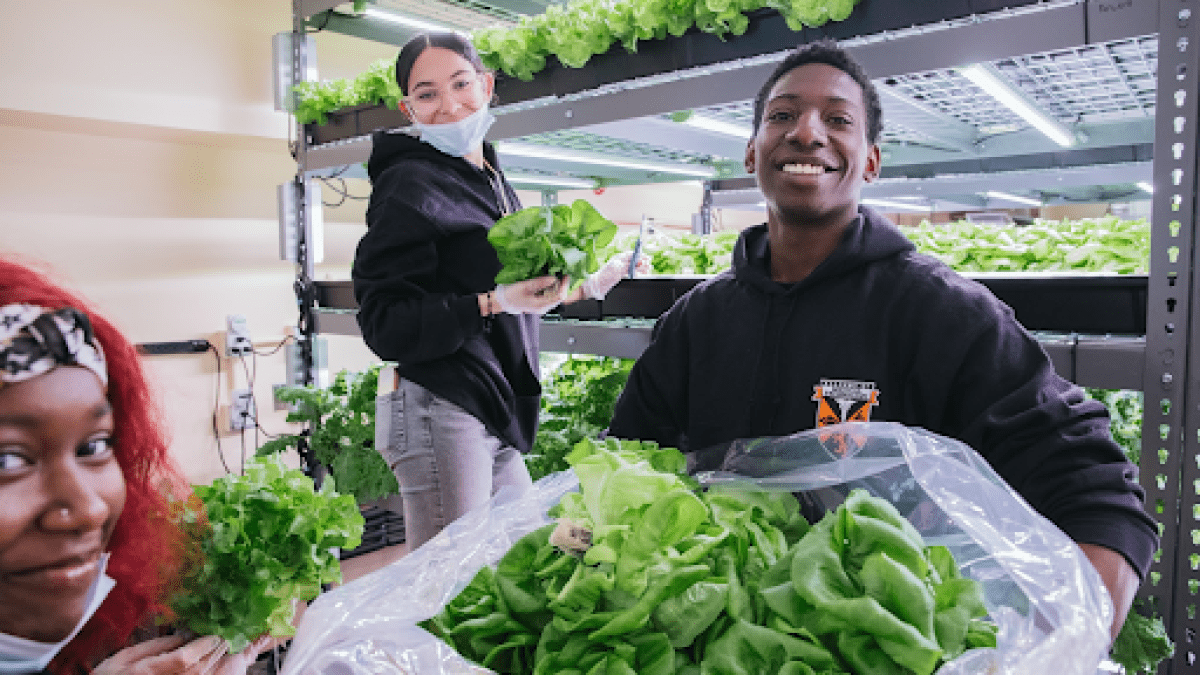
[(1049, 603)]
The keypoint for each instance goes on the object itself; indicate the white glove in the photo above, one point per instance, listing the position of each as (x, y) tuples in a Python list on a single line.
[(599, 284), (532, 296)]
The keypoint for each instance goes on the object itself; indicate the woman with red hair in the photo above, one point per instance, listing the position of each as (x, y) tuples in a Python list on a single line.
[(88, 553)]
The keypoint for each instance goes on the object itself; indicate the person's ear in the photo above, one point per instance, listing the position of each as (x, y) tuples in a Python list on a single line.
[(489, 84), (874, 161), (749, 161), (405, 109)]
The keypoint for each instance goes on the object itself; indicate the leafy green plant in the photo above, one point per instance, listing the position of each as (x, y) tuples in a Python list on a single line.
[(578, 398), (683, 253), (1142, 643), (377, 84), (1125, 410), (1105, 244), (573, 33), (263, 540), (560, 239), (657, 577), (341, 420)]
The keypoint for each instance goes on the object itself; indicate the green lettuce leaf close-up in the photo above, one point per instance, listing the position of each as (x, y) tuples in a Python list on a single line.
[(1142, 644), (561, 240), (263, 541), (728, 580)]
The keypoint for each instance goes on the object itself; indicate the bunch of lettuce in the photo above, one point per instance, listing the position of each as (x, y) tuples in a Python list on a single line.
[(563, 240), (1105, 244), (578, 398), (377, 84), (341, 432), (1125, 413), (655, 576), (681, 253), (1142, 644), (577, 30), (263, 541)]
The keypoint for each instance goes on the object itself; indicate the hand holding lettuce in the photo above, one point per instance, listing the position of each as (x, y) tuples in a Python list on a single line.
[(263, 541), (561, 240)]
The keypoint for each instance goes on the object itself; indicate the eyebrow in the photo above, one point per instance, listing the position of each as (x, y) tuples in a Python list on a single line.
[(828, 99), (430, 84), (100, 411)]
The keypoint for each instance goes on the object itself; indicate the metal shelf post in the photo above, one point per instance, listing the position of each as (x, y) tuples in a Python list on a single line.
[(1171, 447)]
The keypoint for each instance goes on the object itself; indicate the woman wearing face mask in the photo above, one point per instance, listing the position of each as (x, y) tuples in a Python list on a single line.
[(466, 402), (86, 557)]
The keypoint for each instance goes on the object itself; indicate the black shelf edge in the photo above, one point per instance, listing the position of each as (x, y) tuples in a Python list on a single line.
[(1061, 303)]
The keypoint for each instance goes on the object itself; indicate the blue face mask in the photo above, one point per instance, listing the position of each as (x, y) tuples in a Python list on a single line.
[(19, 655), (458, 138)]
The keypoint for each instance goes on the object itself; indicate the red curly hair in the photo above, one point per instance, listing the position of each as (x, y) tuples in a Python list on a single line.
[(146, 544)]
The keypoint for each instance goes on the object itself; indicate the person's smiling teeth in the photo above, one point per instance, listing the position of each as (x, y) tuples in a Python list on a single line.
[(808, 169)]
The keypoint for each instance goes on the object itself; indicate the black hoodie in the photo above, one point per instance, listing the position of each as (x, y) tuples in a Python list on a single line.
[(417, 272), (880, 332)]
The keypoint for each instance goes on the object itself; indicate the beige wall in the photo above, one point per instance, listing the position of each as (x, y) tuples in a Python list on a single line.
[(139, 156)]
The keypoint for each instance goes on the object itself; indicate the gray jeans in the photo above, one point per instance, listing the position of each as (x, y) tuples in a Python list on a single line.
[(446, 461)]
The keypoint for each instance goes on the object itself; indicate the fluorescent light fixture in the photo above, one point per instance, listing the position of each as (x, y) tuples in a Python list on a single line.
[(559, 181), (558, 154), (1146, 186), (405, 21), (992, 194), (902, 206), (719, 126), (991, 82)]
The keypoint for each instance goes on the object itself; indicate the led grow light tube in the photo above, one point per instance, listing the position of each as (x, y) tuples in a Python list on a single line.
[(887, 204), (990, 81), (406, 21), (545, 152), (992, 194), (719, 126), (560, 181)]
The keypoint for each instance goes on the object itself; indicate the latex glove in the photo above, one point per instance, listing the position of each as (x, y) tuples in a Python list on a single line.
[(175, 655), (599, 284), (532, 296)]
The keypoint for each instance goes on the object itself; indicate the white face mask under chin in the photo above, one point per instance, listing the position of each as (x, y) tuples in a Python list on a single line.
[(459, 138), (19, 655)]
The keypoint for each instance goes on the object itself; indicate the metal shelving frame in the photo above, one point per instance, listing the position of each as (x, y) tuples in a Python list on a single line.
[(1168, 358), (1171, 427)]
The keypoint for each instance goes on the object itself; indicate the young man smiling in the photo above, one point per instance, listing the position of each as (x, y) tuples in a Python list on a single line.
[(829, 315)]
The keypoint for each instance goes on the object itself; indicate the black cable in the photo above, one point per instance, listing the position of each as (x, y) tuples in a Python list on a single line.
[(217, 407), (253, 409), (276, 348), (328, 16)]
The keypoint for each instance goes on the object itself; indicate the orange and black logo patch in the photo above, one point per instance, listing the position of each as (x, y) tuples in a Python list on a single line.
[(841, 401)]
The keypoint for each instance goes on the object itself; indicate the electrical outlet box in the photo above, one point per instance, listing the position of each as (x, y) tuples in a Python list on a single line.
[(241, 410), (237, 336)]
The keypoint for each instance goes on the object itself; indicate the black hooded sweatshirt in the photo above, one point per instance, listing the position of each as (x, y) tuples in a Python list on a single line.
[(417, 272), (879, 332)]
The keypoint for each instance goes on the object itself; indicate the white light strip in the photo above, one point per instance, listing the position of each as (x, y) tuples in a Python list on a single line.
[(560, 181), (992, 194), (885, 204), (719, 126), (406, 21), (1146, 186), (990, 82), (544, 152)]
